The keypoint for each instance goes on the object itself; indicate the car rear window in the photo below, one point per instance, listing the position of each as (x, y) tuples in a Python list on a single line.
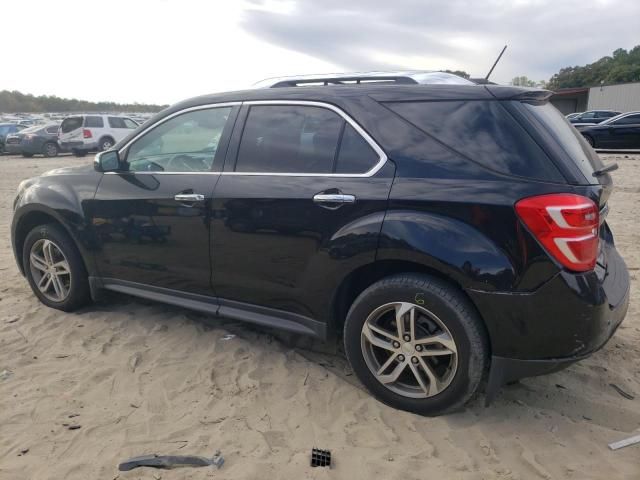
[(569, 139), (93, 122), (70, 124), (482, 131)]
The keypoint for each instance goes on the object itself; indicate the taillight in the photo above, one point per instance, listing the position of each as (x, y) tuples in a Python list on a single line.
[(86, 133), (566, 225)]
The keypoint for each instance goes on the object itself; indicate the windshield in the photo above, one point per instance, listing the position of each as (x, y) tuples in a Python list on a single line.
[(571, 141), (613, 119), (5, 129), (31, 129)]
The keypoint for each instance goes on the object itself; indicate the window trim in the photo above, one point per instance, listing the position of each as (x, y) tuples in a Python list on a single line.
[(372, 143), (382, 157), (160, 122)]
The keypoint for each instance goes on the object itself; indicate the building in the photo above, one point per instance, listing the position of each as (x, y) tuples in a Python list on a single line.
[(623, 97)]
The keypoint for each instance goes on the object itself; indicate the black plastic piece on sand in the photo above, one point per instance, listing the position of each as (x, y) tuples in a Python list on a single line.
[(170, 461), (320, 458)]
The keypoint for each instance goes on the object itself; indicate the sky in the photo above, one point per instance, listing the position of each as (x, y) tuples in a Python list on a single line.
[(163, 51)]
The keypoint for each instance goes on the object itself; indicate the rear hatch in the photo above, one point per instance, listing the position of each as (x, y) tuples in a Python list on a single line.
[(71, 129), (582, 167)]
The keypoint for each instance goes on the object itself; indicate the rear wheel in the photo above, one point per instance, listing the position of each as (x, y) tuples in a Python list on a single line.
[(54, 268), (105, 144), (416, 343), (50, 149)]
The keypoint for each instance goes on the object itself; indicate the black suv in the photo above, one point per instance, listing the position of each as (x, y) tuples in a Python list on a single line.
[(443, 230)]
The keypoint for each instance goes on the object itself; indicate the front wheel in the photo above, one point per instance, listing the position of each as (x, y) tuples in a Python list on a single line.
[(50, 149), (54, 268), (416, 343), (590, 141)]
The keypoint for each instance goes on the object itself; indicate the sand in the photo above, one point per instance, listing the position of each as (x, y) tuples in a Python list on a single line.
[(139, 377)]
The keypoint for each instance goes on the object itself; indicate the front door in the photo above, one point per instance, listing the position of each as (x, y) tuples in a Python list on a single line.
[(302, 199), (152, 218)]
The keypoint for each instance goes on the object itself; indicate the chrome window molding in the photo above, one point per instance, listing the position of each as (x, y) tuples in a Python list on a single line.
[(175, 114), (382, 157)]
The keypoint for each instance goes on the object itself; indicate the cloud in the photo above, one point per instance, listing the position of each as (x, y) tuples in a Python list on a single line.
[(542, 35)]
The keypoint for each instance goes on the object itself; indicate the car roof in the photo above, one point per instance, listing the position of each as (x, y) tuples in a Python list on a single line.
[(338, 94)]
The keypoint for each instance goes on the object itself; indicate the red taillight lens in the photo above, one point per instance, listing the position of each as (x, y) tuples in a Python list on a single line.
[(566, 225), (86, 133)]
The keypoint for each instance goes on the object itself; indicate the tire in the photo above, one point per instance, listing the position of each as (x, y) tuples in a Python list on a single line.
[(79, 153), (73, 286), (27, 155), (50, 150), (441, 312), (106, 143), (590, 141)]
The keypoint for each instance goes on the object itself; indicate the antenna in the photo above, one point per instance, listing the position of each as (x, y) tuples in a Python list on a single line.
[(494, 64)]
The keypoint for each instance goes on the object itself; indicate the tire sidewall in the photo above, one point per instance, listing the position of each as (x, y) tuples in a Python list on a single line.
[(45, 151), (105, 140), (79, 292), (471, 363)]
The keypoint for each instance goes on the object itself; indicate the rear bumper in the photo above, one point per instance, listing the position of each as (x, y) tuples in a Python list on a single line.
[(78, 146), (567, 319)]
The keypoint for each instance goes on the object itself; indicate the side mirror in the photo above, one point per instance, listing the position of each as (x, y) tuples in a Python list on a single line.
[(108, 161)]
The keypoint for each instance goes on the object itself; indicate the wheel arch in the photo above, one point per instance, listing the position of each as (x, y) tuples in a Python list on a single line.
[(361, 278), (33, 218)]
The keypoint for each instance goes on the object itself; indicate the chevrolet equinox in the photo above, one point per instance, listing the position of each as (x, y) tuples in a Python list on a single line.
[(452, 234)]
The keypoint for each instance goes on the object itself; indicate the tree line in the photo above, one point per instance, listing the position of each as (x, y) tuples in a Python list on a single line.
[(621, 66), (14, 101)]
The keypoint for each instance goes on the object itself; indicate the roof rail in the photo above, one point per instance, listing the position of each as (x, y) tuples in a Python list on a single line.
[(345, 80)]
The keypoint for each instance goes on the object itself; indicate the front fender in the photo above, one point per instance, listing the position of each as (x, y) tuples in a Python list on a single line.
[(42, 201), (452, 247)]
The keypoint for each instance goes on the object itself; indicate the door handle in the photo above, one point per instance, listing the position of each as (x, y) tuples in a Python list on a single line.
[(333, 200), (189, 197)]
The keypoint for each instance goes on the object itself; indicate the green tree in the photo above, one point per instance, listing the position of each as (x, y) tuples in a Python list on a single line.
[(15, 101), (622, 66)]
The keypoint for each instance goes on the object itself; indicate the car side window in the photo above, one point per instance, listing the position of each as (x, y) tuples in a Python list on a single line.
[(355, 155), (116, 122), (588, 115), (184, 143), (93, 122), (289, 139), (129, 123)]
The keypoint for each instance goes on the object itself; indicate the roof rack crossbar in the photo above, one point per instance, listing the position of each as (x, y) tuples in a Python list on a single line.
[(402, 80)]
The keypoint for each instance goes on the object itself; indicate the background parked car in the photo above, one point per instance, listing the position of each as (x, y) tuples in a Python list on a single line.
[(85, 133), (40, 139), (593, 116), (7, 129), (573, 115), (622, 131)]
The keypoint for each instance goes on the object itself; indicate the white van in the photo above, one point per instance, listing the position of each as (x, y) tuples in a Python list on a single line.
[(85, 133)]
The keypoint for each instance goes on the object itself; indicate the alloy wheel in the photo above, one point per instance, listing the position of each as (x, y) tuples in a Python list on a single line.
[(409, 350), (51, 150), (50, 270)]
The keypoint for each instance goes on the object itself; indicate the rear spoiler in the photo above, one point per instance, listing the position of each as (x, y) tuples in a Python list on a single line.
[(529, 95)]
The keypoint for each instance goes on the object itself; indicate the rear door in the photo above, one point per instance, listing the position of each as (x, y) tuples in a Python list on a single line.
[(152, 218), (301, 199)]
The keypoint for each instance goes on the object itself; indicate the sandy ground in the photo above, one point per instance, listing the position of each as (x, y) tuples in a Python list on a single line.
[(139, 378)]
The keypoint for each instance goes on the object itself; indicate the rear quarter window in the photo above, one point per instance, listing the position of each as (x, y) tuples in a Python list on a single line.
[(482, 131), (93, 122)]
